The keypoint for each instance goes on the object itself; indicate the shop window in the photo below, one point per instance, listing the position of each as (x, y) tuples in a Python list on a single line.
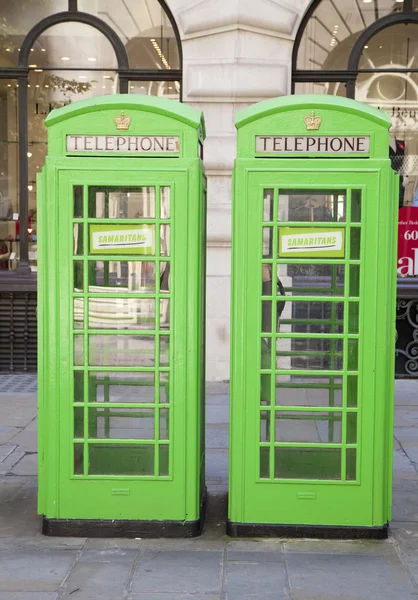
[(17, 18), (144, 28)]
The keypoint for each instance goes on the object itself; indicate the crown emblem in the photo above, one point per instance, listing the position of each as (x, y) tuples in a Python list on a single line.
[(122, 121), (313, 122)]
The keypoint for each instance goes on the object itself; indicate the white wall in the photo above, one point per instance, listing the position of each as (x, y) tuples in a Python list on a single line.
[(235, 53)]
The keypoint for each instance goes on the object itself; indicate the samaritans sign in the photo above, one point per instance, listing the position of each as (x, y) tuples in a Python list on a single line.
[(122, 239), (311, 242)]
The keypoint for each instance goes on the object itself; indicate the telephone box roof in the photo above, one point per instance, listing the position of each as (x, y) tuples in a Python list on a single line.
[(151, 104), (309, 101)]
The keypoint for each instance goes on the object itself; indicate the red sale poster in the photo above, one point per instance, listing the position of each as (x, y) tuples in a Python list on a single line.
[(408, 242)]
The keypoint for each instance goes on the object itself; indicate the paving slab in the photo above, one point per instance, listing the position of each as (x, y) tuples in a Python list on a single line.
[(217, 399), (9, 462), (405, 417), (109, 555), (404, 434), (348, 577), (402, 461), (41, 542), (179, 571), (27, 465), (171, 596), (217, 413), (7, 433), (97, 581), (28, 596), (34, 571), (27, 440), (19, 517), (405, 505), (214, 388), (256, 578), (217, 436), (380, 547)]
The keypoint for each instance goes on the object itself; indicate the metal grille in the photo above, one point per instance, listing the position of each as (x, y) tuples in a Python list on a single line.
[(18, 332)]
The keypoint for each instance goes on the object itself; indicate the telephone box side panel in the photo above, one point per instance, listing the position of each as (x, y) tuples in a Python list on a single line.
[(49, 316)]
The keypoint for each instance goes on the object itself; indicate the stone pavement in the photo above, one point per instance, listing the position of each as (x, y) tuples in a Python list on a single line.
[(212, 567)]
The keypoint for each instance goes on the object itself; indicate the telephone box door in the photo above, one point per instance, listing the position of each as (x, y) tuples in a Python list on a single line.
[(307, 415), (122, 315)]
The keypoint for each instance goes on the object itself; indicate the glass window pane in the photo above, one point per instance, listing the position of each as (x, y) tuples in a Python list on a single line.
[(164, 351), (313, 280), (164, 424), (78, 239), (121, 423), (78, 386), (312, 317), (121, 350), (78, 276), (164, 460), (307, 463), (352, 355), (268, 196), (264, 463), (121, 202), (312, 205), (79, 350), (122, 276), (78, 313), (353, 317), (165, 195), (351, 427), (121, 387), (148, 35), (308, 390), (163, 89), (121, 313), (265, 426), (78, 459), (265, 393), (164, 313), (165, 277), (78, 422), (356, 206), (355, 238), (78, 201), (351, 467), (165, 240), (267, 244), (354, 281), (309, 427), (164, 388), (121, 459), (309, 353), (352, 386)]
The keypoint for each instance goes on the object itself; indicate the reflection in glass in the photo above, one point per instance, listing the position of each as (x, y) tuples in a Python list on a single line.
[(264, 463), (268, 205), (307, 463), (265, 426), (162, 89), (164, 459), (78, 422), (353, 317), (310, 353), (352, 355), (267, 242), (165, 313), (121, 387), (78, 313), (121, 350), (121, 313), (355, 237), (165, 193), (165, 240), (356, 206), (354, 281), (315, 280), (122, 276), (111, 202), (78, 386), (164, 388), (78, 239), (352, 386), (312, 205), (164, 423), (351, 467), (78, 350), (164, 350), (308, 390), (121, 423), (78, 201), (78, 276), (351, 428), (265, 389), (78, 459), (121, 459), (309, 427)]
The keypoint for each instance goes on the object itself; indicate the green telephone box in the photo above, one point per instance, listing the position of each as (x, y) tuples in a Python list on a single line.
[(121, 241), (313, 320)]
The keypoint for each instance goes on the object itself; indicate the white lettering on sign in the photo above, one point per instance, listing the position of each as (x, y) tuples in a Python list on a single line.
[(122, 238), (131, 144), (306, 144)]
